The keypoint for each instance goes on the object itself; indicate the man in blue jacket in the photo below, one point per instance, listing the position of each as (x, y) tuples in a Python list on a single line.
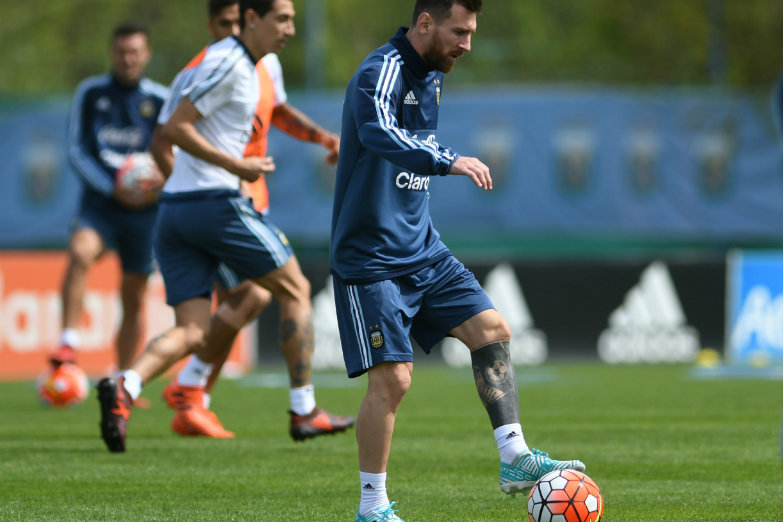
[(395, 282), (112, 117)]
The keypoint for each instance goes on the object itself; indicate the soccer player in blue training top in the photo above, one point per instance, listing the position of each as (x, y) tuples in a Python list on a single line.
[(112, 116), (395, 282)]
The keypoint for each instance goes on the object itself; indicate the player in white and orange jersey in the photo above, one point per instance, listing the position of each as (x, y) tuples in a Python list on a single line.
[(245, 300)]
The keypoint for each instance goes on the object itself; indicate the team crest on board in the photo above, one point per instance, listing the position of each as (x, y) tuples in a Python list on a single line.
[(376, 338)]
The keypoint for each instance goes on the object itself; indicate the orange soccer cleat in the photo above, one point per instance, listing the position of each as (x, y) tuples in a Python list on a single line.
[(198, 421), (181, 397), (318, 422), (169, 394), (192, 419)]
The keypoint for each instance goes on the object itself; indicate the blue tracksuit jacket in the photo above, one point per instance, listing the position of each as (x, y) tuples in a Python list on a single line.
[(381, 226), (108, 121)]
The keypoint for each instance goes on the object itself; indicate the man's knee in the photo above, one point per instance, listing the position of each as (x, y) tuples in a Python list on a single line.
[(300, 290), (287, 284), (194, 337), (244, 303), (483, 328), (256, 300), (85, 248), (499, 328), (391, 380)]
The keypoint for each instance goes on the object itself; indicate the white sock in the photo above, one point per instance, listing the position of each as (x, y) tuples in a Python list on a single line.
[(373, 492), (132, 383), (511, 442), (70, 336), (207, 400), (302, 399), (194, 373)]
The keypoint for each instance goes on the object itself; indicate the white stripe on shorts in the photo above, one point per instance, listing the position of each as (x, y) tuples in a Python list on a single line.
[(358, 324), (269, 239), (228, 276)]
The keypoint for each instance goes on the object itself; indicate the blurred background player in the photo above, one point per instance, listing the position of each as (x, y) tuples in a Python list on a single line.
[(246, 299), (112, 116), (396, 284), (204, 220)]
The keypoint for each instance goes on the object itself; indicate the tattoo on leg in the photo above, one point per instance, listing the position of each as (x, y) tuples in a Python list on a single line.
[(288, 328), (308, 336), (153, 347), (290, 332), (496, 382)]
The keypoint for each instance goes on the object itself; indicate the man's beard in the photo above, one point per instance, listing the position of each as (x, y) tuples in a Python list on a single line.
[(436, 59)]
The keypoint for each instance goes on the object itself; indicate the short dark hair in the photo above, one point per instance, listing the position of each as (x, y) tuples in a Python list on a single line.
[(215, 6), (129, 28), (441, 9), (261, 7)]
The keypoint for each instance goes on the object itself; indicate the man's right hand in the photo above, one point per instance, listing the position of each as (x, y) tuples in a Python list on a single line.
[(253, 167)]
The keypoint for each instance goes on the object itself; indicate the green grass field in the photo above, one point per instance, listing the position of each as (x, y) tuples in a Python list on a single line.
[(661, 444)]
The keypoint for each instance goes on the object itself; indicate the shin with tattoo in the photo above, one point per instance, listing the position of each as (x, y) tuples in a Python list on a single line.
[(496, 382), (297, 338)]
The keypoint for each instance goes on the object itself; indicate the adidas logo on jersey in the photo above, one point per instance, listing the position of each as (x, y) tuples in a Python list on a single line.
[(410, 99), (649, 326)]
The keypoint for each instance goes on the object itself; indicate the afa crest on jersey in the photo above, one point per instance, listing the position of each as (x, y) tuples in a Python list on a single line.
[(376, 339), (147, 108)]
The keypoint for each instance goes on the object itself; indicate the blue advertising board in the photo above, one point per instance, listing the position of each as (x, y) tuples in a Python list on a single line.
[(754, 329), (690, 167)]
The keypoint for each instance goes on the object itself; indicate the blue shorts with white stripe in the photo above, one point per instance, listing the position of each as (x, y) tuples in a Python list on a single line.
[(380, 321), (197, 231)]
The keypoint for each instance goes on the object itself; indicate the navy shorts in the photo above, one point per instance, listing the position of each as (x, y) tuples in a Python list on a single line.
[(128, 231), (227, 278), (379, 321), (197, 231)]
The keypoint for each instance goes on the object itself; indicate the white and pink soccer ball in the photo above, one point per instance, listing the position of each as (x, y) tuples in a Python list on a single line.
[(139, 175), (565, 495), (62, 386)]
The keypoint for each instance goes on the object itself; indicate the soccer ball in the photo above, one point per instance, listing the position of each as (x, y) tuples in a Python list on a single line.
[(565, 495), (62, 386), (139, 176)]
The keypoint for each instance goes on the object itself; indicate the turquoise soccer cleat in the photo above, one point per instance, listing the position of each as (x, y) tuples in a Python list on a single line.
[(381, 514), (521, 475)]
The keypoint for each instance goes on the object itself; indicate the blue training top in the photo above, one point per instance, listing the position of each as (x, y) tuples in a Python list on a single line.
[(108, 121), (381, 226)]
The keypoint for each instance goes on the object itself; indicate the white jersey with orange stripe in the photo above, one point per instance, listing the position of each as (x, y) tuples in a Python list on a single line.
[(184, 79), (224, 88)]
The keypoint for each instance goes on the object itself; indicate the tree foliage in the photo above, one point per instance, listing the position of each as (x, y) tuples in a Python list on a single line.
[(49, 46)]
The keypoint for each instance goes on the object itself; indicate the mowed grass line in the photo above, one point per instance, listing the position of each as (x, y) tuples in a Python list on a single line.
[(660, 445)]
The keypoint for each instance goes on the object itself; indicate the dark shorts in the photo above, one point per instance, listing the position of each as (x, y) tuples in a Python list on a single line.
[(227, 278), (129, 232), (379, 321), (196, 232)]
